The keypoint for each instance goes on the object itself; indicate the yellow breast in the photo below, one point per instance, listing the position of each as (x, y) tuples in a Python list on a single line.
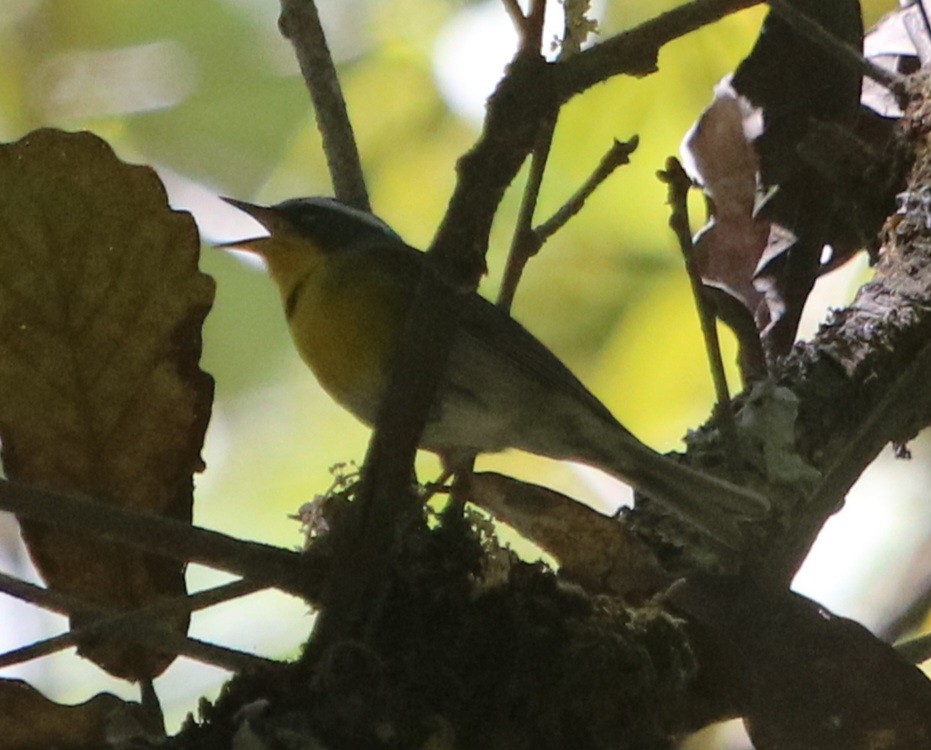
[(347, 327)]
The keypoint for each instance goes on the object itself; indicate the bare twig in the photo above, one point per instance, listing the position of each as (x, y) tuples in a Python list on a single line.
[(152, 705), (141, 626), (54, 601), (294, 573), (634, 52), (678, 186), (231, 659), (528, 240), (843, 53), (529, 26), (525, 243), (528, 94), (300, 23), (616, 156), (115, 622)]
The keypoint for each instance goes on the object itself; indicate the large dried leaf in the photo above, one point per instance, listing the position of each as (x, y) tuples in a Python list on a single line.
[(101, 305), (29, 720), (719, 155), (797, 84), (777, 156)]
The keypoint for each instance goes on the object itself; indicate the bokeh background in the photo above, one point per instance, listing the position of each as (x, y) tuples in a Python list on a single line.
[(208, 93)]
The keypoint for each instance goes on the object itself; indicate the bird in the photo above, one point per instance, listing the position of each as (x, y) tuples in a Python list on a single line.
[(347, 281)]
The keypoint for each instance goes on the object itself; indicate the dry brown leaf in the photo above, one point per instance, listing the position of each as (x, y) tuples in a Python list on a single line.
[(29, 720), (719, 154), (101, 306)]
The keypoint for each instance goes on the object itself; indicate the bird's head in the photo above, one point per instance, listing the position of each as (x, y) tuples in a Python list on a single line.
[(302, 230)]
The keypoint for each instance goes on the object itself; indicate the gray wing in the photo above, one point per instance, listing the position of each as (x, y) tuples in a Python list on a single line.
[(492, 327)]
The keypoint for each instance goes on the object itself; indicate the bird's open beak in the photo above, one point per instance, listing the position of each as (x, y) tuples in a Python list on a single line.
[(267, 217)]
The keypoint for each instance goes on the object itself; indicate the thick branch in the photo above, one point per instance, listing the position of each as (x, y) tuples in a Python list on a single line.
[(862, 380)]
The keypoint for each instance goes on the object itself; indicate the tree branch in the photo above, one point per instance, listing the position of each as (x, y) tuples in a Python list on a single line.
[(291, 572), (299, 22), (525, 243), (616, 156), (861, 381), (634, 52), (142, 626)]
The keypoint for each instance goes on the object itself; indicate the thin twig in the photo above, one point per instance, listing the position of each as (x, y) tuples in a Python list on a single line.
[(208, 653), (151, 704), (114, 622), (299, 22), (300, 574), (528, 241), (844, 53), (678, 186), (616, 156), (525, 243), (54, 601), (529, 26), (141, 626)]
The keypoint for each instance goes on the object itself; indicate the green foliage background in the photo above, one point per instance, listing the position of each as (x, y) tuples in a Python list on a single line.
[(208, 92)]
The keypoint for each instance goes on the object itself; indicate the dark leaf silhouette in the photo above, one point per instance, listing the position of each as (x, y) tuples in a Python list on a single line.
[(101, 394)]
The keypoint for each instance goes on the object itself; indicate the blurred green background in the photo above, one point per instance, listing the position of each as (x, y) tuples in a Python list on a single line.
[(208, 93)]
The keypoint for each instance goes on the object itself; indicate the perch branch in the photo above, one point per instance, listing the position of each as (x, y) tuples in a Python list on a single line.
[(861, 380)]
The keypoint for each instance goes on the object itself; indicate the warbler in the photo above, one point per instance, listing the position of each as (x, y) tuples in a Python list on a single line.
[(347, 281)]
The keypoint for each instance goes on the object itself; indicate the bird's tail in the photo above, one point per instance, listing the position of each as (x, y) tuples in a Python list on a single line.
[(713, 505)]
